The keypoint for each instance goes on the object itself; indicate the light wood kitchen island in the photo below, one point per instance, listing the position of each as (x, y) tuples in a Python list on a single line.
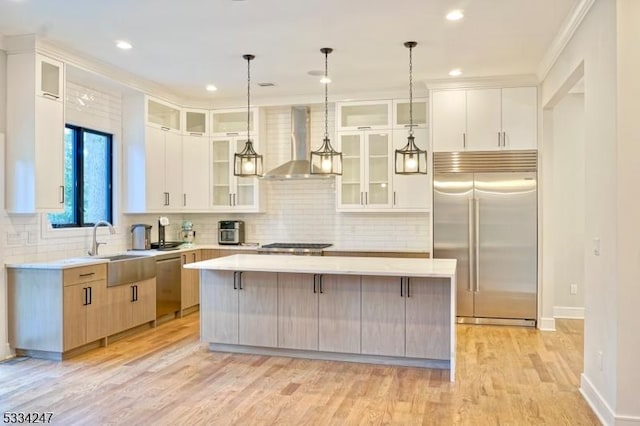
[(373, 309)]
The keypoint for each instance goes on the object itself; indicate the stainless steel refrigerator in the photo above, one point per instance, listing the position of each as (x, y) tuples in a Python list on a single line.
[(485, 215)]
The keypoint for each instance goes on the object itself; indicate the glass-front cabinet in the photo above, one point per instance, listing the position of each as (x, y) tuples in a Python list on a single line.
[(402, 113), (231, 193), (163, 115), (363, 115), (195, 122), (366, 170), (233, 122)]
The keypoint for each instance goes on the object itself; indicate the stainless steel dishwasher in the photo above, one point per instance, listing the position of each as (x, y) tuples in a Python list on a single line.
[(168, 286)]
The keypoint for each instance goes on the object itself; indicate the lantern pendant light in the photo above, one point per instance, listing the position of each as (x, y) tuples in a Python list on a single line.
[(411, 159), (326, 160), (248, 162)]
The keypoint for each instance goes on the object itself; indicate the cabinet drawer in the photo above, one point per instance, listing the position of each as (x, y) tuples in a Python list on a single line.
[(84, 274)]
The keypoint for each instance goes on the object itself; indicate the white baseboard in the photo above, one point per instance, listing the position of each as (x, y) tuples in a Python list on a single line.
[(547, 324), (601, 408), (569, 312)]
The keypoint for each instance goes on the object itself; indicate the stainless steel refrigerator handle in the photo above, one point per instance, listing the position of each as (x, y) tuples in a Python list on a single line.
[(477, 243), (471, 238)]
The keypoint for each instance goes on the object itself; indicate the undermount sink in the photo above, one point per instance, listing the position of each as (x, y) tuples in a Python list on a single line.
[(129, 268)]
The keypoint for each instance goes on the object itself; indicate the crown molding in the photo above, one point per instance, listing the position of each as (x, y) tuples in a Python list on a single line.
[(483, 82), (567, 30)]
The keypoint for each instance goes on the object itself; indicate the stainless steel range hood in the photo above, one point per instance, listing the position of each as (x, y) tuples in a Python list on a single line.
[(299, 166)]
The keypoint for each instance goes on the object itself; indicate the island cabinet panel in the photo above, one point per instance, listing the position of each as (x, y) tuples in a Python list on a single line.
[(339, 314), (219, 323), (428, 309), (243, 310), (383, 316), (258, 309), (297, 311)]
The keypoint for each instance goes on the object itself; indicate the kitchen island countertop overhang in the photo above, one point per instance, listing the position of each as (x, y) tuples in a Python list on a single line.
[(362, 309)]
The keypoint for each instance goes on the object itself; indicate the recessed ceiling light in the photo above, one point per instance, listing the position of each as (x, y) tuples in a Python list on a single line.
[(211, 88), (455, 15), (455, 72), (124, 45), (325, 80)]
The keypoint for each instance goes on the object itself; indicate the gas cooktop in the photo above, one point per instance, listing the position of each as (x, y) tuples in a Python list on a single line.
[(313, 249)]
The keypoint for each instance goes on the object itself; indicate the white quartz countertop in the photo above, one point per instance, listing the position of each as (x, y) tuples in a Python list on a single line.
[(331, 265)]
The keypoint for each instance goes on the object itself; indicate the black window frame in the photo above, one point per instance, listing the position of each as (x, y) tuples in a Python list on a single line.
[(78, 173)]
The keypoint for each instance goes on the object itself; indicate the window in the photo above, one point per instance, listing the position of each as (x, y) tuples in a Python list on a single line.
[(87, 178)]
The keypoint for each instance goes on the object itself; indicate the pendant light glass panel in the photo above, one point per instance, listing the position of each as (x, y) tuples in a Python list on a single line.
[(326, 160), (248, 162), (410, 159)]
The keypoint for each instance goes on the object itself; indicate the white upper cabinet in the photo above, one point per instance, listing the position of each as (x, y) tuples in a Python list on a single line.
[(412, 192), (35, 134), (520, 118), (484, 119), (365, 115), (195, 122), (50, 78), (402, 109), (195, 172), (163, 114), (233, 122), (366, 170)]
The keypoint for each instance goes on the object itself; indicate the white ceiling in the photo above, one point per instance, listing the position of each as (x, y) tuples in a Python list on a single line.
[(186, 44)]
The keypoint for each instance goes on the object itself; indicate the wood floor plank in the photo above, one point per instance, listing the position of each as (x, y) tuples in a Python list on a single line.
[(166, 376)]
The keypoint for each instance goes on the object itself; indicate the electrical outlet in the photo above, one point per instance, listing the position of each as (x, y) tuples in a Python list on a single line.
[(600, 360), (573, 289)]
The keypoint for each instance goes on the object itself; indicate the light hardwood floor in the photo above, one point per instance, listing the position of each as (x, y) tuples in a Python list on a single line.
[(506, 375)]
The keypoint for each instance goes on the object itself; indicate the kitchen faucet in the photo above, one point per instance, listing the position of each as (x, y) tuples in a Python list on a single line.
[(96, 243)]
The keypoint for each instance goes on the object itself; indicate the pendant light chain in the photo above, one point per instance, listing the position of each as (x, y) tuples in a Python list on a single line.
[(410, 91), (326, 96), (248, 94)]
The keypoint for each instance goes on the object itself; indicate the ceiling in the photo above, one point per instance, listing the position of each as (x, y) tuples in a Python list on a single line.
[(184, 45)]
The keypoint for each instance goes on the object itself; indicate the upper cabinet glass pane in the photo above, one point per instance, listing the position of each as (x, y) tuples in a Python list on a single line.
[(163, 115), (364, 115), (232, 122), (419, 113), (50, 78), (196, 122)]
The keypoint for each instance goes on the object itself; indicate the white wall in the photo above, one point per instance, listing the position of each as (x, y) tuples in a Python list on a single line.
[(566, 205), (611, 349)]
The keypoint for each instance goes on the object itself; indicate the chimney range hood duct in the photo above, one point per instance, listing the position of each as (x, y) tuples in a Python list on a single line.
[(298, 166)]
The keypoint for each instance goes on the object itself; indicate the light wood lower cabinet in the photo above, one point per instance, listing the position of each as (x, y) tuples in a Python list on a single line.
[(131, 305), (243, 308), (84, 313), (408, 317), (319, 312), (190, 281)]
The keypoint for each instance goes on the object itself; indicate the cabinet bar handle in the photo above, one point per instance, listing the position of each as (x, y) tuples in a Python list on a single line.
[(136, 288), (499, 141), (464, 140), (184, 199), (394, 198), (235, 280), (85, 293), (196, 134), (504, 139), (363, 127), (366, 198), (133, 293), (88, 274), (230, 200), (234, 199), (90, 296), (165, 128), (409, 125), (361, 198), (408, 287), (233, 134), (61, 194), (401, 287), (194, 257), (240, 280), (320, 282), (184, 259), (50, 96), (315, 277)]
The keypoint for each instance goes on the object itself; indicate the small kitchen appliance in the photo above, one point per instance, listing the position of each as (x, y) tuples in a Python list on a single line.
[(140, 236), (188, 234), (231, 232)]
